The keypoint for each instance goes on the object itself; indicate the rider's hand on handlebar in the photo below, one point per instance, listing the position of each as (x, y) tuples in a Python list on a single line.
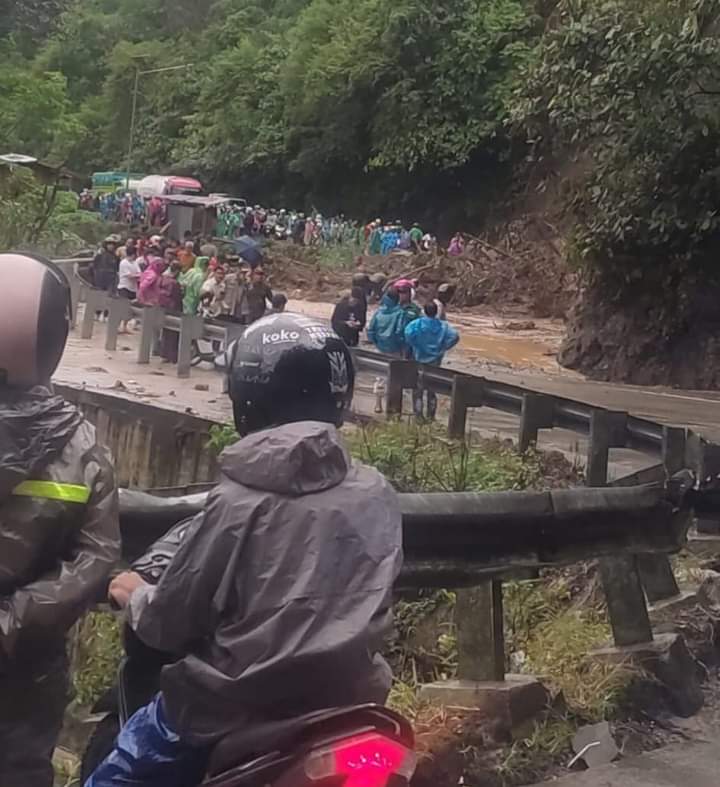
[(122, 587)]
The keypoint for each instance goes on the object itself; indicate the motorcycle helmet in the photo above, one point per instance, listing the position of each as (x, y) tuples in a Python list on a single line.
[(35, 322), (286, 368)]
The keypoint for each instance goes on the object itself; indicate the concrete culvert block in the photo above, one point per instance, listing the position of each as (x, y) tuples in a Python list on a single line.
[(668, 659), (506, 704)]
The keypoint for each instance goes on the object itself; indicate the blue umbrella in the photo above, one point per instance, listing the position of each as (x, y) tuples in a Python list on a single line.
[(249, 249)]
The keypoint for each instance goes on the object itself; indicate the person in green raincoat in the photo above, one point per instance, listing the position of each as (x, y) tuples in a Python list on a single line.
[(192, 281)]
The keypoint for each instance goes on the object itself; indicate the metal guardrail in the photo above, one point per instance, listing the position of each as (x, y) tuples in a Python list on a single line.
[(478, 540), (507, 398)]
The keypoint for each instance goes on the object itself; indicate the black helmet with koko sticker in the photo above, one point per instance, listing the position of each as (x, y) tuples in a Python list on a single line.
[(288, 367)]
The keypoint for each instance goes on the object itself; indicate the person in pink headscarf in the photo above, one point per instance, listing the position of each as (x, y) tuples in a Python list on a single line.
[(170, 298), (150, 287), (457, 245)]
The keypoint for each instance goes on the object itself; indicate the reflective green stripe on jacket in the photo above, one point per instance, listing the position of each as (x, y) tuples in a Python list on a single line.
[(50, 490)]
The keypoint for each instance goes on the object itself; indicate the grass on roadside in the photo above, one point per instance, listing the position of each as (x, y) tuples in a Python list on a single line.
[(97, 655), (417, 458)]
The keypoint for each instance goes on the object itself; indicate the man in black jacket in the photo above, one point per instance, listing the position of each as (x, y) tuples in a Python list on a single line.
[(349, 317), (58, 519)]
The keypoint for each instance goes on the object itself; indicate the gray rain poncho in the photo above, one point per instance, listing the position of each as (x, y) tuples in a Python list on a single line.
[(279, 598)]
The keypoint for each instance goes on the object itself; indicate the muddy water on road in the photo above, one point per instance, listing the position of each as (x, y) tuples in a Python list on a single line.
[(487, 338), (513, 351)]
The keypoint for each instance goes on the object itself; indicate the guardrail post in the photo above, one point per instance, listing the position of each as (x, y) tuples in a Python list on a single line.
[(598, 449), (401, 375), (120, 311), (624, 594), (625, 600), (656, 571), (480, 633), (191, 329), (152, 320), (537, 413), (466, 392), (511, 700), (94, 302), (75, 296), (704, 459)]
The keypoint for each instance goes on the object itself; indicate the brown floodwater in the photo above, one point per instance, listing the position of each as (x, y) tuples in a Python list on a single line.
[(513, 350)]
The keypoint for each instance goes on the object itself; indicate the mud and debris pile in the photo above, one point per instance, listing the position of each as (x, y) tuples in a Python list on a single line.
[(522, 270)]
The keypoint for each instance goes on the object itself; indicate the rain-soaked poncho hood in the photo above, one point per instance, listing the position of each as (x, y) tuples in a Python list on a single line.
[(387, 327), (192, 282), (279, 596), (35, 427), (299, 459), (430, 338)]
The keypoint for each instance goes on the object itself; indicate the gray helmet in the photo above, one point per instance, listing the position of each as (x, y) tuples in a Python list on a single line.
[(35, 320)]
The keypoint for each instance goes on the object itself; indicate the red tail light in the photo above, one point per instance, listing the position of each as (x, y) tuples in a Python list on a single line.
[(365, 761)]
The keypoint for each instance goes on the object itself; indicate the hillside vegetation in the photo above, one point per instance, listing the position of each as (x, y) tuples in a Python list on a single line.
[(457, 113)]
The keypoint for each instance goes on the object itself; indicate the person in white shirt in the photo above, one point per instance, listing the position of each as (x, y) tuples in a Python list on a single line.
[(128, 277), (444, 296), (213, 294)]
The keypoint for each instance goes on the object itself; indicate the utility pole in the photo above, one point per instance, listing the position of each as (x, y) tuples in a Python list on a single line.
[(132, 130), (138, 74)]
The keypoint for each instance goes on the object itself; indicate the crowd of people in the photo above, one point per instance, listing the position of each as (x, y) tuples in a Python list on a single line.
[(194, 278), (190, 278), (235, 220), (124, 207), (314, 230)]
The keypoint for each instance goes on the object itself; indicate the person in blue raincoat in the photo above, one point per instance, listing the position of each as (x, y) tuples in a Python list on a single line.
[(387, 327), (390, 239), (429, 339)]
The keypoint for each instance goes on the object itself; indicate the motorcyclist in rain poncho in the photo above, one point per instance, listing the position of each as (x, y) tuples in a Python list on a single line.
[(58, 519), (279, 597)]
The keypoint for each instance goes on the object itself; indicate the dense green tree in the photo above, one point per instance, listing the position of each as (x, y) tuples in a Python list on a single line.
[(633, 89), (29, 21), (36, 116), (362, 104), (351, 87)]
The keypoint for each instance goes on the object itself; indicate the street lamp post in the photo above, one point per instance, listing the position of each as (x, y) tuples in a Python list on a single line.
[(138, 74)]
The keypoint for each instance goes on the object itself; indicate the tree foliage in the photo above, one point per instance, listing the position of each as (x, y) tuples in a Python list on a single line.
[(29, 21), (294, 96), (36, 117), (373, 105), (633, 89)]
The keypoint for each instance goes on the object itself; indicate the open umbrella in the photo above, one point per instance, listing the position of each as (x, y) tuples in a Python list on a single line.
[(249, 249)]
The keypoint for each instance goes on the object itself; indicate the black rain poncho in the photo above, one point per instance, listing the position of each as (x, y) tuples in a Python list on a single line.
[(56, 551), (59, 539)]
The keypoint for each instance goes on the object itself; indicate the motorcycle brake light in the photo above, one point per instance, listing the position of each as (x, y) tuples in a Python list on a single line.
[(365, 761)]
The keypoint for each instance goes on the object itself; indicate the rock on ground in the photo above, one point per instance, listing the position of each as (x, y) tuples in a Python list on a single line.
[(685, 765)]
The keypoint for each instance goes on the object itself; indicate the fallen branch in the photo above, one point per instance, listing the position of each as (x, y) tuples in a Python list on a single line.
[(490, 246)]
